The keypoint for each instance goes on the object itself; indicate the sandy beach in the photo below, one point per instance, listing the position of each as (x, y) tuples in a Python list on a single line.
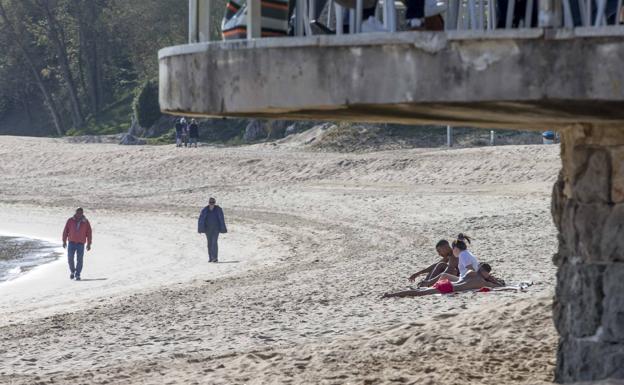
[(315, 239)]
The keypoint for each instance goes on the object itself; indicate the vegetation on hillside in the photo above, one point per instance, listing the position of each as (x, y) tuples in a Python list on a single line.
[(76, 65)]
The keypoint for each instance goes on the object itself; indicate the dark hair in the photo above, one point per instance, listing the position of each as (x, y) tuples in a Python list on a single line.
[(442, 242), (79, 209), (461, 241), (486, 267)]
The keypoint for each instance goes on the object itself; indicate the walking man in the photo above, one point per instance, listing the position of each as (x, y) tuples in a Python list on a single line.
[(78, 232), (212, 223)]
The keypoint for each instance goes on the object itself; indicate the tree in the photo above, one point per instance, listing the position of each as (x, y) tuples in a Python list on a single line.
[(57, 36), (16, 38)]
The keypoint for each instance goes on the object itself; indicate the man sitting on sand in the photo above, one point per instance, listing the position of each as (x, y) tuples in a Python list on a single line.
[(473, 280), (447, 265)]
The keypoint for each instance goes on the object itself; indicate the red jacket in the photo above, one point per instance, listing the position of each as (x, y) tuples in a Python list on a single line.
[(77, 231)]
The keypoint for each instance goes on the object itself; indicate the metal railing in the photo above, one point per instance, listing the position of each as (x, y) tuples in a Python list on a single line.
[(458, 15)]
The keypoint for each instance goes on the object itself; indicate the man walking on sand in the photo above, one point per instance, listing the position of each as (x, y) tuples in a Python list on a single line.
[(212, 223), (78, 232)]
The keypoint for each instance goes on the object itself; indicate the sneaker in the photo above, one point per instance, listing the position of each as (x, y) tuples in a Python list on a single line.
[(373, 25), (71, 276), (416, 24), (77, 278)]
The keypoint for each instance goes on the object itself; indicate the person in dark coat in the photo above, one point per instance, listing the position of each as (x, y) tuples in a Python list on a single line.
[(212, 223), (180, 127), (193, 133)]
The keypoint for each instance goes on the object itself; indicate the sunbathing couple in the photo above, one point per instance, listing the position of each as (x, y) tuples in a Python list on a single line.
[(458, 271)]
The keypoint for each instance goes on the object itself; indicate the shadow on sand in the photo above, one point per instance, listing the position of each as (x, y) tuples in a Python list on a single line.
[(92, 279)]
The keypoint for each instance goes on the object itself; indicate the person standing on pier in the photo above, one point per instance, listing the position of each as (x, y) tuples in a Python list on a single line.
[(78, 232)]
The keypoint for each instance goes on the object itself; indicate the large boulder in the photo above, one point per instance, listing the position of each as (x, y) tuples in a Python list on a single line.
[(254, 131)]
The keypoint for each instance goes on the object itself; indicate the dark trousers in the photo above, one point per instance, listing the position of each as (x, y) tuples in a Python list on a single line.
[(213, 247), (77, 250), (415, 9)]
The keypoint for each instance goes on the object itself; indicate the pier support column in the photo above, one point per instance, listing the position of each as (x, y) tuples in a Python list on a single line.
[(588, 210)]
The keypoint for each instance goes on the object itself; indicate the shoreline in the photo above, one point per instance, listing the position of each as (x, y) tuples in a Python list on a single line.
[(113, 268), (46, 247)]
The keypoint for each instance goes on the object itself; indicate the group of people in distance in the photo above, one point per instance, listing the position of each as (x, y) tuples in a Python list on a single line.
[(459, 270), (186, 134)]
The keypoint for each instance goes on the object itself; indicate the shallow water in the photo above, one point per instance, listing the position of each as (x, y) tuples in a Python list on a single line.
[(18, 255)]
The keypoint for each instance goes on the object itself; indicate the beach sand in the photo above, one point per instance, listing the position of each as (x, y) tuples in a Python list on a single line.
[(314, 240)]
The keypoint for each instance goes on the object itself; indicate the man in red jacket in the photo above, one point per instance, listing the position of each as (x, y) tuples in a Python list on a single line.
[(78, 232)]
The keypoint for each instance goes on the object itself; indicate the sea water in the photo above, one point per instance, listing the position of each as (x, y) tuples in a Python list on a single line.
[(19, 255)]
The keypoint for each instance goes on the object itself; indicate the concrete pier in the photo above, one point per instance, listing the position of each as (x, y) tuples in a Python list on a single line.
[(532, 78)]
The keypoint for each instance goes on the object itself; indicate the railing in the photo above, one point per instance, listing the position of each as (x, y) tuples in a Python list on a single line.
[(458, 15)]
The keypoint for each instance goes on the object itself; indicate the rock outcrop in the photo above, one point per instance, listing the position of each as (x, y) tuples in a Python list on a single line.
[(588, 210), (254, 131)]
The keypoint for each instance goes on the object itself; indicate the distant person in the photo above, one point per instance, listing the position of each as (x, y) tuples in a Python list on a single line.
[(447, 265), (184, 131), (78, 232), (212, 223), (180, 126), (193, 133)]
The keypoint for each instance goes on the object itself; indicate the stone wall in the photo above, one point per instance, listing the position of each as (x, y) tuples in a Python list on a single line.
[(588, 210)]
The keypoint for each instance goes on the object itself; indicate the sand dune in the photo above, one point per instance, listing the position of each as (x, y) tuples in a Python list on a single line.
[(315, 239)]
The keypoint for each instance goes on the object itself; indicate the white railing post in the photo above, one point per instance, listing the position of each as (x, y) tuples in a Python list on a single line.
[(193, 35), (312, 10), (472, 11), (449, 136), (511, 7), (203, 20), (359, 10), (351, 21), (254, 18), (549, 13), (393, 16), (339, 19), (600, 14), (389, 15), (451, 14), (299, 16)]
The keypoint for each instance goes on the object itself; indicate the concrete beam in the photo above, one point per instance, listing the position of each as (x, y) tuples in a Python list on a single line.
[(532, 79)]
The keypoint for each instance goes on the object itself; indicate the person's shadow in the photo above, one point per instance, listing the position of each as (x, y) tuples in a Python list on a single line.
[(92, 279), (222, 262)]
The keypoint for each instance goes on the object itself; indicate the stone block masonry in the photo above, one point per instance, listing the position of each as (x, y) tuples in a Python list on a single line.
[(588, 210)]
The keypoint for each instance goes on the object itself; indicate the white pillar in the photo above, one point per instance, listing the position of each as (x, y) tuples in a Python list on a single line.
[(359, 9), (254, 16), (193, 35), (299, 17), (339, 19), (449, 136), (204, 8)]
